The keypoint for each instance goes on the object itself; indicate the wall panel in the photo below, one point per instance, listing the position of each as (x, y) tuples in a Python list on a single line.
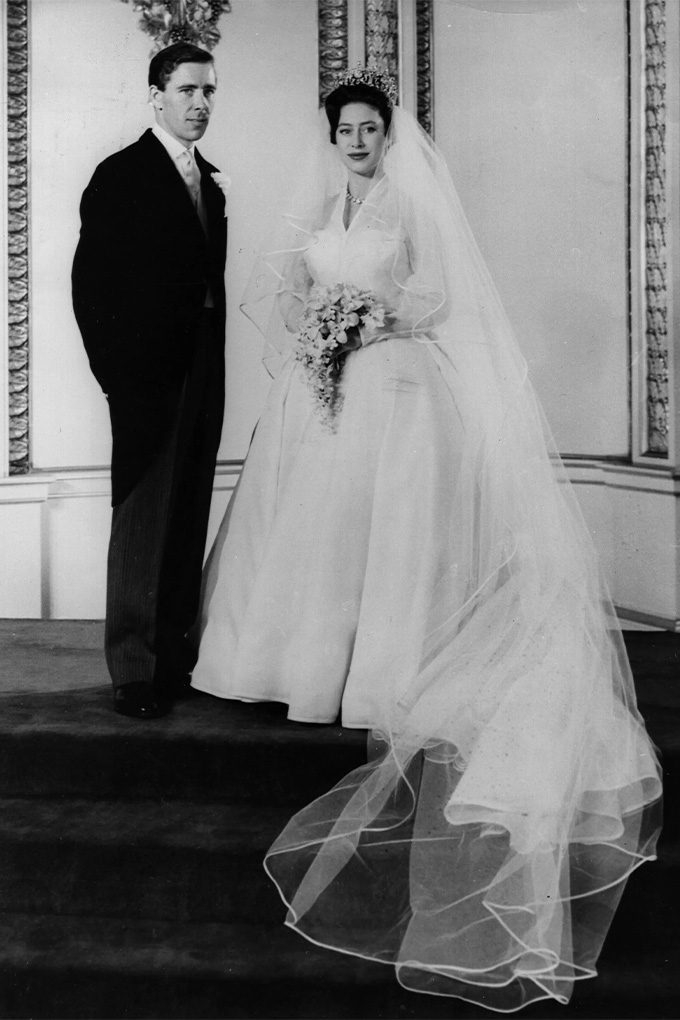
[(89, 98), (531, 112)]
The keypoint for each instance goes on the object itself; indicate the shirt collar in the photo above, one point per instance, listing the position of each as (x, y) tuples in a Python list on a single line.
[(172, 146)]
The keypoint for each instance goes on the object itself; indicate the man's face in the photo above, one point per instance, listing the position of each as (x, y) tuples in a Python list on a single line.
[(183, 108)]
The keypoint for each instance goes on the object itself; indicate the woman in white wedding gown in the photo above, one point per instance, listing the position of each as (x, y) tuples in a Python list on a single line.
[(422, 570)]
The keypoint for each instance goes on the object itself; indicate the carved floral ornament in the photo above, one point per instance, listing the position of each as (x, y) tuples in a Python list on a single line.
[(172, 21)]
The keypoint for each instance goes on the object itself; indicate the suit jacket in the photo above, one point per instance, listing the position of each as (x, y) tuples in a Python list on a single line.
[(140, 275), (142, 268)]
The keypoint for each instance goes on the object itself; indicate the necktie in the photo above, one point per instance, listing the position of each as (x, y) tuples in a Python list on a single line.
[(191, 174)]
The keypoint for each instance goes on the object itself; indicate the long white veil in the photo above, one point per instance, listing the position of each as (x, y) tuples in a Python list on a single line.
[(511, 786)]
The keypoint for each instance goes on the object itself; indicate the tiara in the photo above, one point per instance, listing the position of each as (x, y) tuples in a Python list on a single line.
[(359, 75)]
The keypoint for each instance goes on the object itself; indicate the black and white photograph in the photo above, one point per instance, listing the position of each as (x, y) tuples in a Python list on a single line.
[(339, 509)]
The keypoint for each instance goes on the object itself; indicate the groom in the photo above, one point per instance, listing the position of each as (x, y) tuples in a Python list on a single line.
[(148, 295)]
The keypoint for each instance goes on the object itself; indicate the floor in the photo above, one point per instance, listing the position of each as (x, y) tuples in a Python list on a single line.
[(67, 655), (51, 655), (185, 808)]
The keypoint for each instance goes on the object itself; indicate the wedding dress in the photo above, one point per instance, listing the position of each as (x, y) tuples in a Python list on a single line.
[(422, 569), (323, 572)]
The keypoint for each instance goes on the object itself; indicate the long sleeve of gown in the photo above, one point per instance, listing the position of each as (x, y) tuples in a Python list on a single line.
[(417, 301)]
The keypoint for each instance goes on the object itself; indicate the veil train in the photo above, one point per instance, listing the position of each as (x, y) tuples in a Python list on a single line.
[(511, 787)]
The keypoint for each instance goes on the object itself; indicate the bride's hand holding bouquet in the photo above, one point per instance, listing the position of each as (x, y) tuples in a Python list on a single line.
[(328, 330)]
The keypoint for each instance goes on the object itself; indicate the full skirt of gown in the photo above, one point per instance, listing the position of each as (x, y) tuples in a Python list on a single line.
[(321, 579)]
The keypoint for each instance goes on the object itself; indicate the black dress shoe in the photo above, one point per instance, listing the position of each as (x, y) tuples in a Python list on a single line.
[(140, 701)]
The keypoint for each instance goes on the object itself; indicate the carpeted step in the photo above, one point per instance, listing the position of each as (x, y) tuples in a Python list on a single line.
[(107, 968), (165, 860), (177, 861), (74, 745), (131, 872), (647, 913), (655, 661)]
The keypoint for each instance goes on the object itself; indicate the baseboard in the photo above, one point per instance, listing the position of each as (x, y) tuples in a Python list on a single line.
[(647, 621)]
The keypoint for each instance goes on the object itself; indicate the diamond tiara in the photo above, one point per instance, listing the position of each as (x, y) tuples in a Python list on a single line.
[(359, 75)]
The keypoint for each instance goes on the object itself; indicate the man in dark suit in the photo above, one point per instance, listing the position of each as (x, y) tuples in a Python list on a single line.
[(148, 294)]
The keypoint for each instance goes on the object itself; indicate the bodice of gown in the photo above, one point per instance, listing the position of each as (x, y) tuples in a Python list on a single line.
[(362, 254)]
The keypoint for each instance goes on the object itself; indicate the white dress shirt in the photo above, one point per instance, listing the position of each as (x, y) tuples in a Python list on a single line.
[(175, 149)]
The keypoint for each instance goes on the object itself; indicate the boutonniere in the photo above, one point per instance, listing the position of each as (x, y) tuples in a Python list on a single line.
[(224, 184)]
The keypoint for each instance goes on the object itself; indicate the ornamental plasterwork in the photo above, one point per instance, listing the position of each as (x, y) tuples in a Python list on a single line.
[(382, 35), (381, 30), (425, 65), (17, 234), (656, 298), (333, 43), (172, 21)]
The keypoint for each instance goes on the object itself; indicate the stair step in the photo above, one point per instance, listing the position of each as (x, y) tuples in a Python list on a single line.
[(647, 912), (105, 967), (73, 744), (143, 859), (132, 885), (179, 861)]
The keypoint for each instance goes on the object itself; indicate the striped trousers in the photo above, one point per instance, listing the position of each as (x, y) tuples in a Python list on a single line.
[(158, 531)]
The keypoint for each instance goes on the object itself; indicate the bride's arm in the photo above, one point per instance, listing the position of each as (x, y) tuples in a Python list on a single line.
[(419, 301)]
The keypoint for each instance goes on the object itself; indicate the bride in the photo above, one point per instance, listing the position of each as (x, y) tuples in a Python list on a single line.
[(414, 561)]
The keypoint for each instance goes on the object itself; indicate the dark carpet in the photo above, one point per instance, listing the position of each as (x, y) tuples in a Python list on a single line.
[(131, 880)]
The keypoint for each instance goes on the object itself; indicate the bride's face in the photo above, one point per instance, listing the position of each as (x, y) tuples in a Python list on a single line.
[(360, 138)]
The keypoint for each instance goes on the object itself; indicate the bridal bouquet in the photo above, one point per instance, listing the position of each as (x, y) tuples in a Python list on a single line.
[(321, 343)]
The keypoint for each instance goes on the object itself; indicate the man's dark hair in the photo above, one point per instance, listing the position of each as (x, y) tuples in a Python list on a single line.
[(359, 93), (169, 59)]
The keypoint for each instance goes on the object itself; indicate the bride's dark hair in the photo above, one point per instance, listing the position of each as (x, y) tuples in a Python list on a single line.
[(360, 93)]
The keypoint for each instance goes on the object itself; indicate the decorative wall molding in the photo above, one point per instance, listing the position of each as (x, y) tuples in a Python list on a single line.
[(173, 21), (647, 621), (425, 65), (380, 46), (333, 43), (17, 234), (382, 35), (655, 241)]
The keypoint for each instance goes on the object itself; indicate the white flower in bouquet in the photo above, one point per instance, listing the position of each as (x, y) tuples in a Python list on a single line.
[(329, 323)]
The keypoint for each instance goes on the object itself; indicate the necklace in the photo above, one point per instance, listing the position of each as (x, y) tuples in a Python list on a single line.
[(357, 201)]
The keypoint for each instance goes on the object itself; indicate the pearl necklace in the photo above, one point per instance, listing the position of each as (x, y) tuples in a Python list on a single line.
[(357, 201)]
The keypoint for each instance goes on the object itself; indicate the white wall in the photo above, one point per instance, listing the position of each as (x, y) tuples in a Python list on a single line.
[(268, 76), (89, 98), (531, 113)]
